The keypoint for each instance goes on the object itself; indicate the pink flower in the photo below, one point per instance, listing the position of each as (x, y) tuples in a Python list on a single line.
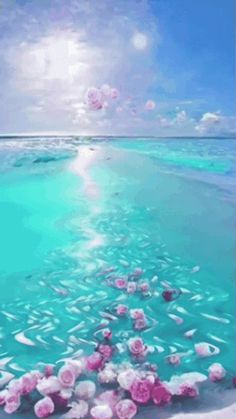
[(170, 294), (131, 287), (121, 310), (204, 349), (28, 383), (160, 395), (137, 313), (144, 287), (67, 376), (114, 93), (94, 99), (126, 409), (141, 390), (12, 402), (120, 283), (48, 370), (3, 395), (105, 351), (44, 407), (101, 412), (94, 361), (107, 334), (85, 390), (216, 372), (188, 390), (174, 360), (138, 271), (49, 385), (15, 386), (150, 105), (126, 378), (140, 324), (136, 346), (107, 375), (78, 410), (108, 398)]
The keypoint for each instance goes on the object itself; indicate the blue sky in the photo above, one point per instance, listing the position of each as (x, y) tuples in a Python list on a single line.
[(171, 63)]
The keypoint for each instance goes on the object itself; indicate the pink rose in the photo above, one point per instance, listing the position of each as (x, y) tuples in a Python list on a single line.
[(28, 383), (150, 105), (126, 378), (3, 395), (160, 395), (121, 310), (12, 402), (141, 390), (120, 283), (66, 376), (107, 334), (44, 407), (94, 361), (78, 410), (144, 287), (131, 287), (114, 93), (85, 390), (136, 346), (15, 386), (49, 385), (174, 360), (48, 370), (216, 372), (126, 409), (101, 412), (108, 398), (105, 351), (188, 390), (140, 324), (137, 313), (94, 99)]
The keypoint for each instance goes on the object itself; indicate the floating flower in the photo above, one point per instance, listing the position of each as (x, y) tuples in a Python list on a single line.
[(126, 378), (67, 376), (15, 386), (150, 105), (126, 409), (216, 372), (204, 349), (188, 390), (121, 310), (49, 386), (114, 93), (137, 313), (144, 287), (28, 383), (140, 324), (174, 360), (12, 402), (44, 407), (131, 287), (78, 410), (108, 398), (120, 283), (101, 412), (141, 390), (3, 395), (94, 361), (107, 375), (85, 390), (160, 394), (48, 370), (171, 294), (94, 99), (136, 346), (105, 351), (107, 334)]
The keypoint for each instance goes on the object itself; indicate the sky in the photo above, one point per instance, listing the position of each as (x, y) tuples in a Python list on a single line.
[(117, 67)]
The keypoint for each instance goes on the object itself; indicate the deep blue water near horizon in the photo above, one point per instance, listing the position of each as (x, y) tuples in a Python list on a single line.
[(72, 207)]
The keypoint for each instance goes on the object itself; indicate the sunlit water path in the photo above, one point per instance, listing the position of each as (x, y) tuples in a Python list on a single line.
[(71, 209)]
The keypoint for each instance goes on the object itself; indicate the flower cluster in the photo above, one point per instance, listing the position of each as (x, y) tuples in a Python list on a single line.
[(97, 98)]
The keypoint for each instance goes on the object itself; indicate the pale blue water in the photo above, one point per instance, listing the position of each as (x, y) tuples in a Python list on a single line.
[(163, 205)]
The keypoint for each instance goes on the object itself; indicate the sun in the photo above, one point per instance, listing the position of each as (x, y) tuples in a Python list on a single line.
[(139, 41)]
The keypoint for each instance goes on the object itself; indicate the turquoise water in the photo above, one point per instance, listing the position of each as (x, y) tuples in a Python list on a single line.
[(71, 208)]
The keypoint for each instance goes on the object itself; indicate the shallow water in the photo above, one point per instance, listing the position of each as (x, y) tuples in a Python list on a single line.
[(71, 208)]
